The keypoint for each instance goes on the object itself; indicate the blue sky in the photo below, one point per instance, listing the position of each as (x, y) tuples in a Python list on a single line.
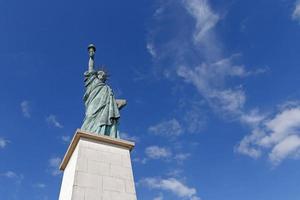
[(212, 89)]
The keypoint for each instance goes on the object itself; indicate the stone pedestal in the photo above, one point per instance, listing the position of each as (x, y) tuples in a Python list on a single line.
[(97, 168)]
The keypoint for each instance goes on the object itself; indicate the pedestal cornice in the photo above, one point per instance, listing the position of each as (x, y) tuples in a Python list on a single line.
[(98, 138)]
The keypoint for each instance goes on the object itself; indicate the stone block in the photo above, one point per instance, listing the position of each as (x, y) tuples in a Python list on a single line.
[(98, 168), (91, 194), (89, 154), (121, 196), (113, 184), (121, 172), (82, 164), (110, 158), (126, 161), (88, 180), (78, 193)]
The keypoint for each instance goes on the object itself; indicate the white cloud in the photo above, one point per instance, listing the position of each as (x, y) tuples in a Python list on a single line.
[(25, 107), (3, 143), (54, 163), (159, 197), (245, 146), (140, 160), (175, 173), (18, 178), (206, 19), (66, 138), (190, 120), (156, 152), (167, 128), (229, 101), (39, 185), (252, 118), (9, 174), (288, 146), (282, 125), (279, 136), (208, 79), (296, 12), (204, 35), (189, 41), (151, 49), (201, 62), (172, 185), (126, 136), (182, 156), (194, 118), (51, 119)]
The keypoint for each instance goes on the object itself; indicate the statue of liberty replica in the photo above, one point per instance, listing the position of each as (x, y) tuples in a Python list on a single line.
[(97, 163), (102, 109)]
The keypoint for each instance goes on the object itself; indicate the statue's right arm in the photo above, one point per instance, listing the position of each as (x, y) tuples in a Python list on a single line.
[(91, 64)]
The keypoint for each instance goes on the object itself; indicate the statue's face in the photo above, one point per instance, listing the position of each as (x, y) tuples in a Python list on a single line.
[(102, 76)]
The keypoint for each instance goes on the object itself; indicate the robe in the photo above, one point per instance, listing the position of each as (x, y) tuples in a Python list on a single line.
[(102, 113)]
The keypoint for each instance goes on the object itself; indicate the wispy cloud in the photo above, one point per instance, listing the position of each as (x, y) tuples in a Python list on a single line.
[(252, 118), (190, 120), (3, 143), (208, 81), (166, 128), (200, 60), (18, 178), (278, 136), (175, 173), (151, 49), (126, 136), (180, 157), (140, 160), (193, 118), (9, 174), (54, 163), (39, 185), (156, 152), (25, 108), (296, 12), (171, 185), (51, 119), (65, 138), (206, 19), (159, 197)]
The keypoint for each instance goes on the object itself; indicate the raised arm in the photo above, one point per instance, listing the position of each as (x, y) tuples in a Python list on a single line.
[(91, 50)]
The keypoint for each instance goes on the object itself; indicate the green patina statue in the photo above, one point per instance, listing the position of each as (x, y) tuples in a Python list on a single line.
[(102, 109)]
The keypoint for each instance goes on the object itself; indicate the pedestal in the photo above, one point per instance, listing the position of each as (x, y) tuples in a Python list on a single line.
[(97, 168)]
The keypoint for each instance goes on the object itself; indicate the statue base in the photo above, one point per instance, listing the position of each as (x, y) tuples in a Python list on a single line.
[(97, 168)]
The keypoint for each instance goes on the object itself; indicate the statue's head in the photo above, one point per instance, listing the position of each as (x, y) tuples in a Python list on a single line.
[(102, 75), (91, 50)]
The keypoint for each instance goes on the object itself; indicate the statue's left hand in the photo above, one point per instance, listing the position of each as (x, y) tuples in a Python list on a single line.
[(121, 103)]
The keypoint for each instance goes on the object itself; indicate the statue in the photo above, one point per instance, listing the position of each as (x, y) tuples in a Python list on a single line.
[(102, 109)]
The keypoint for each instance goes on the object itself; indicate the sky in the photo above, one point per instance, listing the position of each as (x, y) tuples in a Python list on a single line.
[(212, 89)]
